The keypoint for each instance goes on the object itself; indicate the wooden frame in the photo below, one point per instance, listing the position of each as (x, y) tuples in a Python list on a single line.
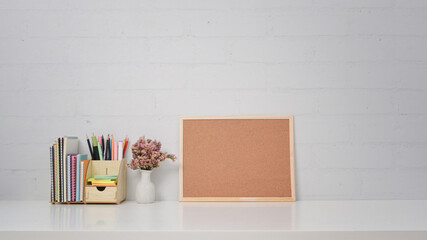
[(182, 157)]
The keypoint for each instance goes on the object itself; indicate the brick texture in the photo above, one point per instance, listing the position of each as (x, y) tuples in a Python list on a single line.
[(353, 73)]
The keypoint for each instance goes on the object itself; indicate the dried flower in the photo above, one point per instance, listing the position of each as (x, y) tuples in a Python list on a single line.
[(146, 154)]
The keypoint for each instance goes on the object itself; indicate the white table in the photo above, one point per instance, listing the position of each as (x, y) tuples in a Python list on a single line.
[(248, 220)]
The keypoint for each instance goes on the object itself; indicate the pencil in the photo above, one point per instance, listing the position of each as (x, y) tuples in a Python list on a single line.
[(125, 145), (90, 148)]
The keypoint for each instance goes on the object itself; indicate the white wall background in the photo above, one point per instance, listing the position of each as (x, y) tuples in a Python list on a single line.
[(354, 74)]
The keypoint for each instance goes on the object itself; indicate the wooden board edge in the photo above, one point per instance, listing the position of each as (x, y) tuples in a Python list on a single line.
[(292, 157), (181, 158), (121, 180), (124, 183), (66, 202), (237, 199), (237, 117), (105, 202)]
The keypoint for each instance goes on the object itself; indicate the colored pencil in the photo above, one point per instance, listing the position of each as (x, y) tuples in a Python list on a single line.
[(125, 146)]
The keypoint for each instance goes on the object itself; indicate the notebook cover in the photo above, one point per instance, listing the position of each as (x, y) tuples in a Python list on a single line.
[(77, 175), (80, 157), (85, 166), (70, 146)]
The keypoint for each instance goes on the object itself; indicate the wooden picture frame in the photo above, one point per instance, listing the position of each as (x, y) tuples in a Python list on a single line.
[(197, 131)]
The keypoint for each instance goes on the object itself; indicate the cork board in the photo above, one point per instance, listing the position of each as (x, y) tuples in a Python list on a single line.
[(246, 158)]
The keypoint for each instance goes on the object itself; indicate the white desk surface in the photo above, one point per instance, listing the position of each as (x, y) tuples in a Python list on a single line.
[(244, 217)]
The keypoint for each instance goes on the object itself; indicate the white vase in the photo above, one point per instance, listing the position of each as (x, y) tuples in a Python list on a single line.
[(145, 192)]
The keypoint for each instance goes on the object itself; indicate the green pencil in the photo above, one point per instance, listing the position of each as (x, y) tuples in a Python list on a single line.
[(100, 152)]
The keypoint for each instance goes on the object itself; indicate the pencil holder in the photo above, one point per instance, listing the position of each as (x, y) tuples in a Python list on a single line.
[(106, 194)]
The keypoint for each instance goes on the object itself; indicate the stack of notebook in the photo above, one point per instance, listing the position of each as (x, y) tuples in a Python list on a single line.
[(67, 170), (103, 180)]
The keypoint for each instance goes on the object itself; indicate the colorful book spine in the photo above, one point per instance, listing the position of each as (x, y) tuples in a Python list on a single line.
[(68, 166), (73, 177), (82, 182), (57, 189), (80, 157), (52, 176), (65, 168), (61, 172)]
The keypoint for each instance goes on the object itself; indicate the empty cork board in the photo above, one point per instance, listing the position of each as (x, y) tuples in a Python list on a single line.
[(245, 158)]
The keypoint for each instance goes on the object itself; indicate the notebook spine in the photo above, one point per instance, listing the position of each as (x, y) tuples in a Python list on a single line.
[(68, 167), (82, 182), (56, 170), (73, 178), (61, 171), (65, 169), (52, 176)]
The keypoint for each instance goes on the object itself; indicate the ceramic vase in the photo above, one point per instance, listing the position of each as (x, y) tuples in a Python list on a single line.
[(145, 191)]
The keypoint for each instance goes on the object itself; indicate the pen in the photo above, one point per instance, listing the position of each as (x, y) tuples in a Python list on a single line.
[(107, 148), (103, 144), (90, 148)]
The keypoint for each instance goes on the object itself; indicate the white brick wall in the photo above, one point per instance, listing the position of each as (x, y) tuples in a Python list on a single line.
[(352, 72)]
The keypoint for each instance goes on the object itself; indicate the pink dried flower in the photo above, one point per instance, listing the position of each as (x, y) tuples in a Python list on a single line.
[(146, 154)]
